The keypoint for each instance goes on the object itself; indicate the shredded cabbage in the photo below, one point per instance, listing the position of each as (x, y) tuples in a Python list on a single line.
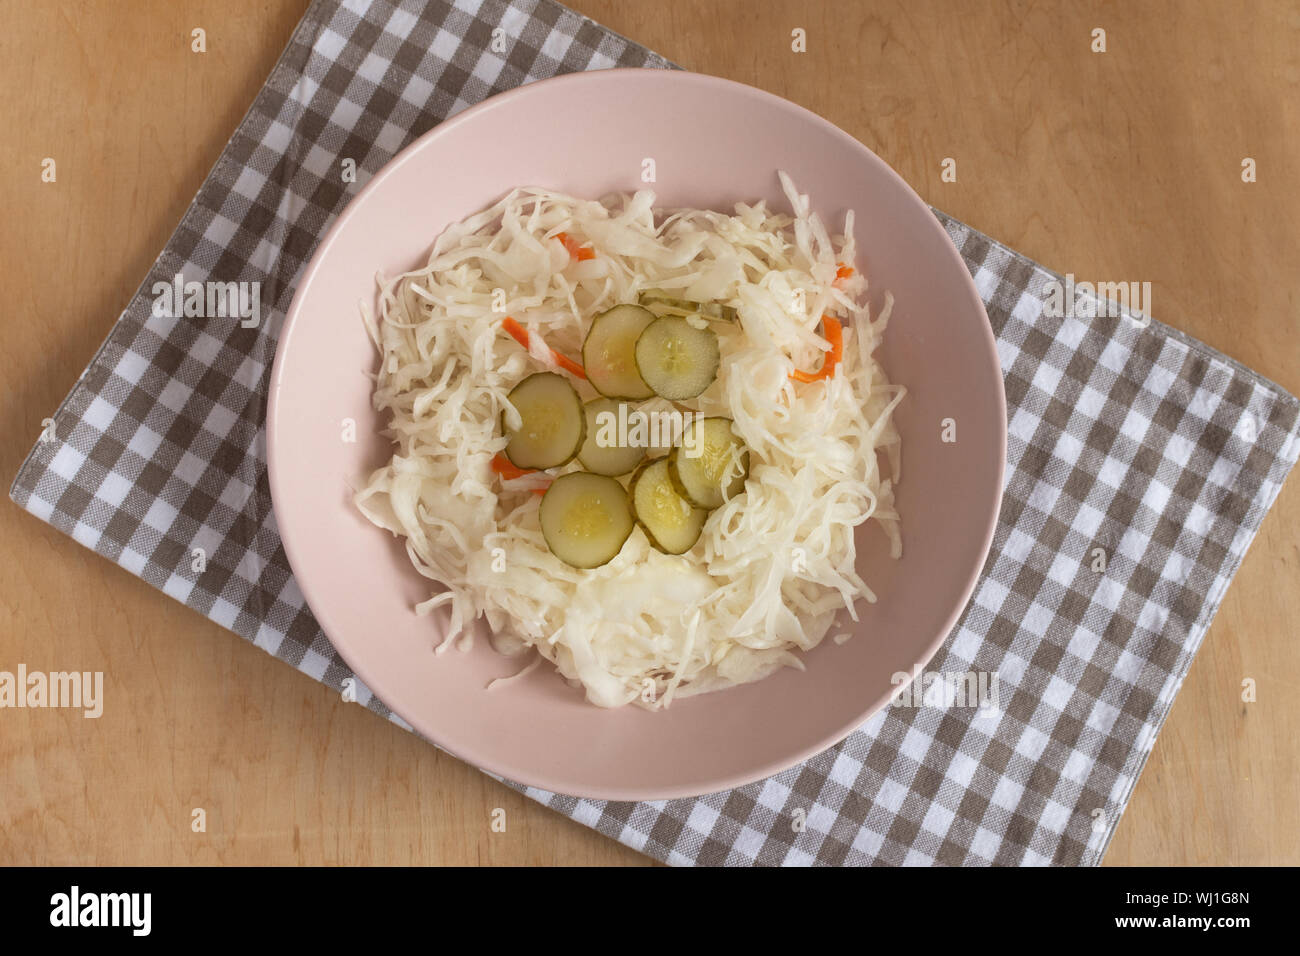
[(774, 564)]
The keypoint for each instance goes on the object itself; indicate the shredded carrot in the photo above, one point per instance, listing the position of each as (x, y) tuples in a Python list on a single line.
[(520, 335), (507, 469), (835, 336), (576, 249), (843, 272)]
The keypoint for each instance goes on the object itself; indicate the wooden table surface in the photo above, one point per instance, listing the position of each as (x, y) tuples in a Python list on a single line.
[(1122, 165)]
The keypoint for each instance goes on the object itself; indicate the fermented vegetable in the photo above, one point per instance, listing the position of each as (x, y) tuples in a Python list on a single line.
[(790, 469), (585, 519), (675, 359), (672, 523), (609, 352), (611, 459), (552, 422), (660, 301), (718, 471)]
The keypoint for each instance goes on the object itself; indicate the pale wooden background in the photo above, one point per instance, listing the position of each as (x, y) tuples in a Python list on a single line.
[(1115, 166)]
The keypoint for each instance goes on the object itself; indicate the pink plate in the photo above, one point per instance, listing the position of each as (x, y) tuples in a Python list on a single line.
[(713, 142)]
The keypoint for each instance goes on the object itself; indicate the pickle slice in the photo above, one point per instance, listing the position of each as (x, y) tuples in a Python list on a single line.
[(609, 352), (611, 460), (660, 301), (585, 519), (676, 359), (672, 523), (700, 477), (554, 423)]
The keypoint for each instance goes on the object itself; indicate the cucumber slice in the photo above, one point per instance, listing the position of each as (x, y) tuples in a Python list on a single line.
[(609, 352), (699, 477), (665, 301), (585, 519), (554, 424), (676, 359), (672, 523), (611, 460)]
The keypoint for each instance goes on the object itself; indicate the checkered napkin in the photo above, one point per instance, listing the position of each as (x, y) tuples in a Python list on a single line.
[(1138, 441)]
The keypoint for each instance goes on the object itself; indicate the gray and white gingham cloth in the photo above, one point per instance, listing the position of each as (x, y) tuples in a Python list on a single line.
[(1142, 442)]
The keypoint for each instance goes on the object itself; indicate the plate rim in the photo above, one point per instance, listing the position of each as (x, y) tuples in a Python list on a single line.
[(540, 778)]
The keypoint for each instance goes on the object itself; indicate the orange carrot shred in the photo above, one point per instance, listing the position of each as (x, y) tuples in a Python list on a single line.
[(576, 249), (520, 335), (507, 469), (835, 336), (843, 272)]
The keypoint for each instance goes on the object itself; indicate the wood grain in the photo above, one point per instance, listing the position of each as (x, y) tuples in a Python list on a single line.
[(1117, 166)]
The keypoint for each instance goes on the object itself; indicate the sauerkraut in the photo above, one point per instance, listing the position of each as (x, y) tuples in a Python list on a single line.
[(774, 564)]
